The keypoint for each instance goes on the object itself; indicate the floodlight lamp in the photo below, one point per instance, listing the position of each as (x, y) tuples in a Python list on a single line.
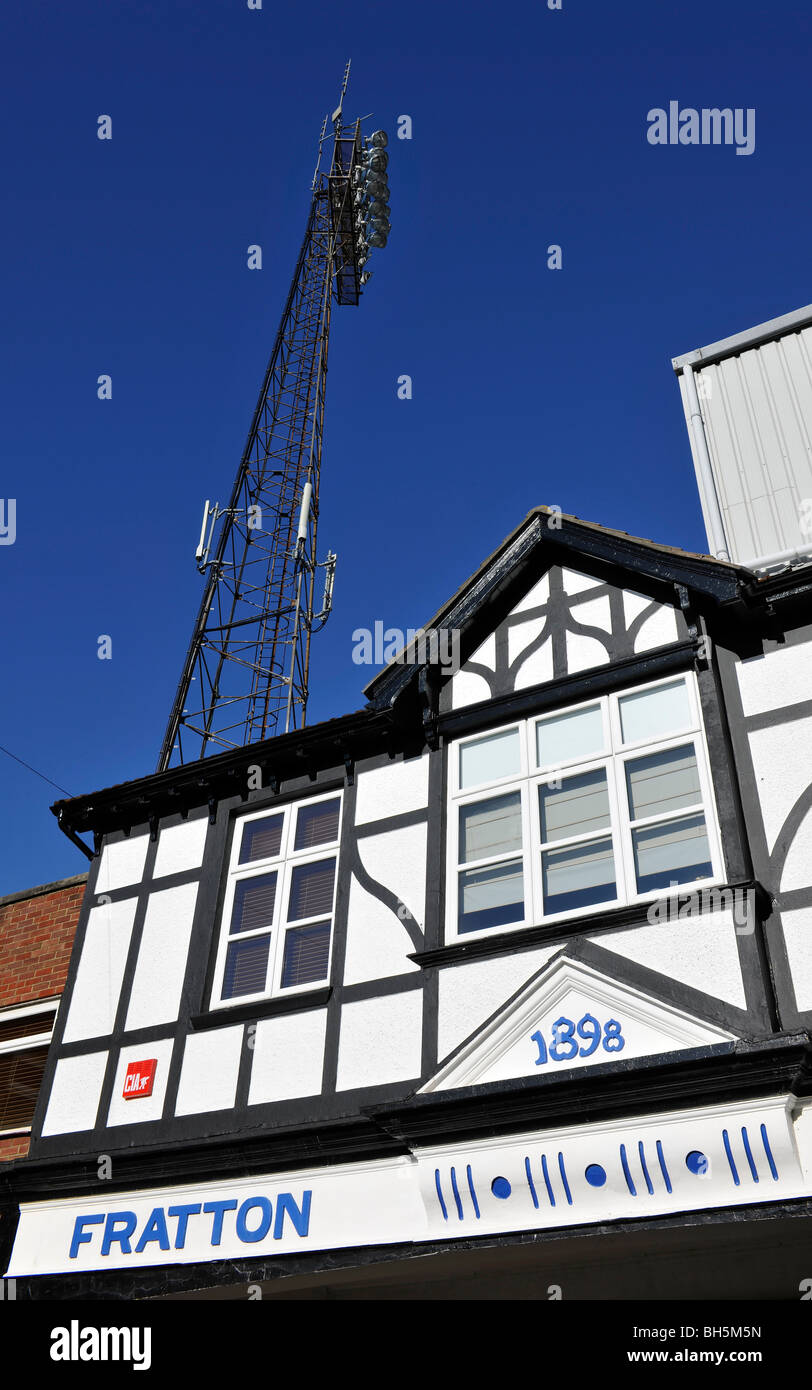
[(378, 160), (378, 139), (377, 238)]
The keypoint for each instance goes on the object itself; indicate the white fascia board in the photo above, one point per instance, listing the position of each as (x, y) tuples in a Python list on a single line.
[(751, 337)]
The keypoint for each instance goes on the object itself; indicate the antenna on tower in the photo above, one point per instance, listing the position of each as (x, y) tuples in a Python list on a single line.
[(318, 160), (247, 669), (336, 116)]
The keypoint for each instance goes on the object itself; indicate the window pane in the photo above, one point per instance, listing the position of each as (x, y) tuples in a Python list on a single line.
[(307, 951), (311, 889), (12, 1028), (491, 897), (579, 805), (261, 839), (568, 737), (20, 1080), (662, 782), (253, 903), (576, 877), (674, 853), (246, 967), (655, 713), (486, 759), (491, 827), (317, 825)]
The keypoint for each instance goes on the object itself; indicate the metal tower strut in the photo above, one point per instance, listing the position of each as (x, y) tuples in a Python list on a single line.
[(246, 672)]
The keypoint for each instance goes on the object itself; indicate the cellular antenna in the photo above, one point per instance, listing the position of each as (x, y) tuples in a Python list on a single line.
[(336, 116), (247, 669)]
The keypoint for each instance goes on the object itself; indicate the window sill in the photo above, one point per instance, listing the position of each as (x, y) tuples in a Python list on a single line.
[(503, 942), (261, 1008)]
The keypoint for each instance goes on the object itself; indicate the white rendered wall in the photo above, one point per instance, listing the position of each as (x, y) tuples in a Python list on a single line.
[(778, 678), (782, 760), (101, 968), (397, 860), (162, 956), (288, 1057), (211, 1063), (797, 927), (380, 1040), (180, 847), (378, 944), (122, 864), (393, 789), (699, 951), (75, 1093)]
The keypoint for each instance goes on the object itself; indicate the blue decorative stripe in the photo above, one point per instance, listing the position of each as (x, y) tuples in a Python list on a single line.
[(547, 1179), (627, 1175), (473, 1193), (726, 1142), (663, 1168), (642, 1154), (456, 1193), (564, 1177), (530, 1182), (440, 1193), (750, 1160), (768, 1151)]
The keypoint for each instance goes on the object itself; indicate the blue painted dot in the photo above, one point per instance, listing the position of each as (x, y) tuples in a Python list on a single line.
[(595, 1175), (500, 1187), (696, 1162)]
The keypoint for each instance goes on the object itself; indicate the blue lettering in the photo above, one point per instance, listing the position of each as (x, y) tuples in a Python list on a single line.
[(80, 1236), (183, 1214), (300, 1220), (124, 1219), (155, 1229), (265, 1223), (218, 1209)]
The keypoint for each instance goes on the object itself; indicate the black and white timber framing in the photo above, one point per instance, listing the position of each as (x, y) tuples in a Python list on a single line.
[(412, 1063)]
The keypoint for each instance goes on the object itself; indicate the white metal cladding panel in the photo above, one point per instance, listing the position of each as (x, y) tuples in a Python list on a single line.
[(757, 408)]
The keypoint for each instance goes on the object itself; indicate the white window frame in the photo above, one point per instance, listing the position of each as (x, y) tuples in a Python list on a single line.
[(30, 1042), (614, 757), (283, 864)]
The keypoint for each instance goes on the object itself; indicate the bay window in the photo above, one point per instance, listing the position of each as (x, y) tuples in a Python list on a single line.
[(599, 805)]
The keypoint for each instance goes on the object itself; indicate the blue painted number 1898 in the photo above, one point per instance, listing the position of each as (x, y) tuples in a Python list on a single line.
[(564, 1045)]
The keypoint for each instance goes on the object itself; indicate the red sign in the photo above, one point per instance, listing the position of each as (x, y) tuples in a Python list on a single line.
[(139, 1079)]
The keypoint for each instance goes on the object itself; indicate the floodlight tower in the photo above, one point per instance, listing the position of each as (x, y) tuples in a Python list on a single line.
[(246, 671)]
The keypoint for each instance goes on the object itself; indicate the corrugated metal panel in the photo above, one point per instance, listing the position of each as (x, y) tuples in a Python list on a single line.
[(756, 405)]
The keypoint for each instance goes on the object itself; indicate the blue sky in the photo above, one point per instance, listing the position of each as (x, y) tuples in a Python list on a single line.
[(530, 386)]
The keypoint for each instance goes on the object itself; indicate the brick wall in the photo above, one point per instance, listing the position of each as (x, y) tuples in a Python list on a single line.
[(16, 1147), (37, 928), (36, 935)]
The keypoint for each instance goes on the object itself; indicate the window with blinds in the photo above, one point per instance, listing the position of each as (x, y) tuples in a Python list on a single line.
[(280, 901), (24, 1037), (602, 804)]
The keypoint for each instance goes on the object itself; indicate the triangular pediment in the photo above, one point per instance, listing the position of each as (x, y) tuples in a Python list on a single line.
[(570, 1015)]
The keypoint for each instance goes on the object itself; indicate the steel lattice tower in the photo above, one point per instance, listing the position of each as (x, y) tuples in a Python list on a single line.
[(246, 671)]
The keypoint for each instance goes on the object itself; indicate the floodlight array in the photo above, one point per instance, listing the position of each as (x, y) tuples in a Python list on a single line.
[(371, 199)]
